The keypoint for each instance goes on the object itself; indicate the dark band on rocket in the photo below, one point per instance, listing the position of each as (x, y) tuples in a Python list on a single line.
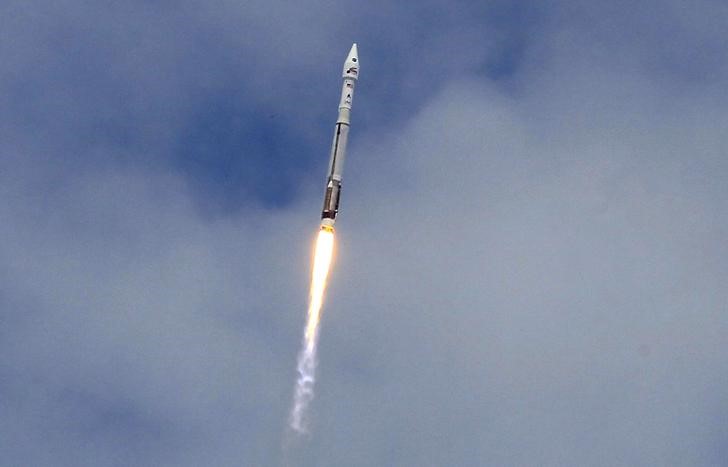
[(331, 200)]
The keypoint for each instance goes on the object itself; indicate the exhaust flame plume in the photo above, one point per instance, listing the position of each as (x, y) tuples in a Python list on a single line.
[(307, 357)]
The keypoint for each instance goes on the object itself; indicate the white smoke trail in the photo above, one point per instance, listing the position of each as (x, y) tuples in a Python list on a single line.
[(304, 386), (303, 393)]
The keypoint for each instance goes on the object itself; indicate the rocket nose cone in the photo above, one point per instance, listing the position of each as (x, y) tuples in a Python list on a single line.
[(353, 54), (351, 65)]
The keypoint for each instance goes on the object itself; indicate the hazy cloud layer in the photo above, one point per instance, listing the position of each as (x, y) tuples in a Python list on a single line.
[(531, 259)]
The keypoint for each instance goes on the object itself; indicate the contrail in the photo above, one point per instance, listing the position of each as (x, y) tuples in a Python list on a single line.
[(307, 356)]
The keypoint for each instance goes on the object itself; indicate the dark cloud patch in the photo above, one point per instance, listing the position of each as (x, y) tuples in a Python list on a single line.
[(232, 151)]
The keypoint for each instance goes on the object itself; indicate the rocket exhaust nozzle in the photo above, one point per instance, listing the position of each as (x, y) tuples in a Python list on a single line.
[(327, 225)]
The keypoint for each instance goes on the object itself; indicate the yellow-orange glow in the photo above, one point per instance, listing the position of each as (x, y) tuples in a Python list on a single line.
[(321, 263)]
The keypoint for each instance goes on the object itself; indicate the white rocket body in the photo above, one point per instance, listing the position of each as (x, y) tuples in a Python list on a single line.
[(341, 136)]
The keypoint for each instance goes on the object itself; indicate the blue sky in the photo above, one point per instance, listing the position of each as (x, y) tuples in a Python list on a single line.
[(531, 258)]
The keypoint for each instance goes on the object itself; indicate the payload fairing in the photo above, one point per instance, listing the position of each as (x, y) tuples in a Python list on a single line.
[(338, 147)]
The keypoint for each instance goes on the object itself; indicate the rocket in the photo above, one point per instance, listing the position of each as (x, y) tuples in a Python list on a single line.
[(338, 147)]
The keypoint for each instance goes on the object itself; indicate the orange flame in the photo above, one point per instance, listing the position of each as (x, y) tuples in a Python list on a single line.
[(321, 263)]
